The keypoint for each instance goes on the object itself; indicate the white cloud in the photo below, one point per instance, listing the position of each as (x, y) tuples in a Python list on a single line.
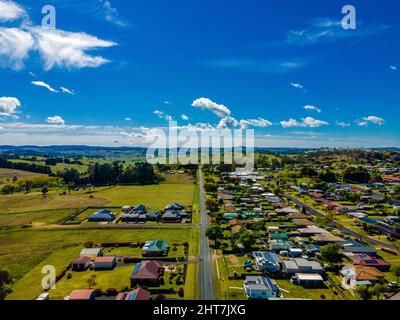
[(162, 115), (15, 45), (56, 120), (32, 74), (297, 85), (68, 91), (10, 11), (342, 124), (206, 104), (312, 108), (128, 119), (68, 49), (44, 85), (8, 105), (262, 123), (184, 117), (112, 15), (394, 68), (371, 119), (308, 122), (227, 123), (167, 102)]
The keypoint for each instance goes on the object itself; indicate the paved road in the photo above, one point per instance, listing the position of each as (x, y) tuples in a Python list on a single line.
[(341, 227), (207, 290)]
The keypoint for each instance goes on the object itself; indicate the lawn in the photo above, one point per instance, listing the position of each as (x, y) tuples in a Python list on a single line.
[(290, 290), (24, 253)]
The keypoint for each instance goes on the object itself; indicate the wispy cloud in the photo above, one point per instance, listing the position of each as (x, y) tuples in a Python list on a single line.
[(111, 14), (330, 30), (56, 120), (184, 117), (162, 115), (297, 85), (312, 108), (343, 124), (44, 85), (394, 68), (68, 91), (273, 67)]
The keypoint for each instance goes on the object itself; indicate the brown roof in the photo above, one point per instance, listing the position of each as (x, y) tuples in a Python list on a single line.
[(147, 270), (298, 215), (82, 259), (236, 229), (81, 295), (326, 237), (368, 273), (302, 222)]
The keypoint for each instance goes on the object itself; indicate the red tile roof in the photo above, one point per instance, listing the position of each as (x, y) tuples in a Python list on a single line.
[(81, 295), (106, 259), (371, 262)]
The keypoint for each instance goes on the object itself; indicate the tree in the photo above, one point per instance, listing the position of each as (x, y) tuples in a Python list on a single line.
[(377, 290), (364, 292), (331, 253), (214, 232), (247, 239), (45, 190), (5, 281), (395, 269), (212, 205), (91, 281)]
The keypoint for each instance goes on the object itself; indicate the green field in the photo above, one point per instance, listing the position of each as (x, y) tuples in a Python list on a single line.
[(29, 241), (24, 253)]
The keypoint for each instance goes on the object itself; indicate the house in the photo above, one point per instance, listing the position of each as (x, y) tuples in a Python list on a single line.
[(367, 261), (260, 288), (102, 216), (146, 273), (155, 248), (130, 217), (354, 276), (295, 252), (171, 217), (299, 265), (174, 207), (81, 263), (105, 263), (277, 246), (135, 295), (267, 261), (286, 211), (308, 280), (139, 209), (93, 253), (230, 216), (82, 295), (153, 216), (311, 249), (279, 236), (325, 238)]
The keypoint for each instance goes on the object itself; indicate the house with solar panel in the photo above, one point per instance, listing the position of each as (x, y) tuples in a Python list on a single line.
[(260, 288), (267, 262), (135, 295), (146, 273), (155, 248)]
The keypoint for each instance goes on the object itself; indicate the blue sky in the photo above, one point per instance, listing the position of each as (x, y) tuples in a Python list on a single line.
[(114, 71)]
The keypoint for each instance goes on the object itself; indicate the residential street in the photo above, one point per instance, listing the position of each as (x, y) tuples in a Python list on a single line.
[(341, 227), (207, 289)]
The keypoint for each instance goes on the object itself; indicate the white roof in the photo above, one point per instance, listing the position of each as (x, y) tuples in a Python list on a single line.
[(309, 276), (91, 251)]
